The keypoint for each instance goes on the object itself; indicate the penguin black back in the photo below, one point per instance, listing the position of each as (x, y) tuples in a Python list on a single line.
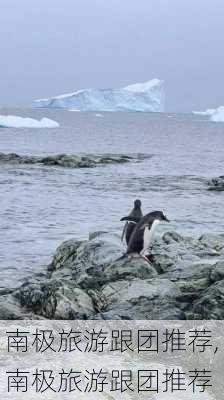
[(133, 218)]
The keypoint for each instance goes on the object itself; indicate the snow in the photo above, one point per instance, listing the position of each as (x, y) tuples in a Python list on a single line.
[(146, 97), (215, 114), (13, 121)]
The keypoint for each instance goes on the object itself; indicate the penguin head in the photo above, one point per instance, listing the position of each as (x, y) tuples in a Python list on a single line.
[(137, 203), (157, 215)]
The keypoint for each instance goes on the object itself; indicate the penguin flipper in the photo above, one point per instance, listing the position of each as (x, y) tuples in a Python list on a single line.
[(129, 218), (124, 231)]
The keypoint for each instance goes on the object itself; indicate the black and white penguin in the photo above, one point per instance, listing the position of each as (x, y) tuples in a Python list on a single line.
[(143, 233), (132, 219)]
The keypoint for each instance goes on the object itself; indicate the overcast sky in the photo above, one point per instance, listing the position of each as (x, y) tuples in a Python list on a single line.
[(50, 47)]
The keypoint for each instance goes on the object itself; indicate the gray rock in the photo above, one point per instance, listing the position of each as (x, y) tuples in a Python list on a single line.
[(170, 237), (217, 272), (73, 303), (38, 298), (212, 242), (11, 309), (211, 303), (190, 278), (91, 280), (141, 299), (71, 161), (216, 183), (65, 255), (129, 268)]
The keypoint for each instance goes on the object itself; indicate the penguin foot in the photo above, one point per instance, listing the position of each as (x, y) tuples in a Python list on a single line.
[(149, 257), (146, 259)]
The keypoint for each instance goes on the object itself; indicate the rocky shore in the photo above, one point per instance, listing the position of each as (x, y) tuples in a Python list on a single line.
[(71, 161), (87, 280)]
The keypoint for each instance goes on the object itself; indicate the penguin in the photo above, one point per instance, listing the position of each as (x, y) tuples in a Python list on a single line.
[(143, 233), (132, 219)]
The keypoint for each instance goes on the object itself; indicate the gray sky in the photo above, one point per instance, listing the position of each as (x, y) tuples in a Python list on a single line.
[(50, 47)]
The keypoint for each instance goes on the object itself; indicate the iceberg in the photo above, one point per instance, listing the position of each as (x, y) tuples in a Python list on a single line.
[(215, 114), (13, 121), (218, 115), (144, 97), (208, 112)]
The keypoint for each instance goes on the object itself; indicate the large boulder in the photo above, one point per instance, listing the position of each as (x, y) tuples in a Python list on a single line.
[(141, 299), (190, 277), (56, 299), (128, 268)]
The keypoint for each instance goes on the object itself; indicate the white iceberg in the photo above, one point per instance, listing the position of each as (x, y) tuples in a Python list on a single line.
[(208, 112), (145, 97), (215, 114), (218, 115), (13, 121)]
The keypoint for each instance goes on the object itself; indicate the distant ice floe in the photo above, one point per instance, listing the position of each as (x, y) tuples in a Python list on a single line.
[(208, 112), (218, 115), (13, 121), (215, 114), (145, 97)]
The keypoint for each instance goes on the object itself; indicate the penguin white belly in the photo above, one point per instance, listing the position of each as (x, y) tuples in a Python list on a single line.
[(149, 236)]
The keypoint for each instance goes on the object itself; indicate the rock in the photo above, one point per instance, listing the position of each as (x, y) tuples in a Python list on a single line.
[(216, 183), (65, 255), (56, 300), (129, 268), (73, 303), (71, 161), (38, 297), (211, 303), (141, 299), (217, 272), (190, 278), (212, 242), (170, 237), (11, 309), (92, 280), (68, 161)]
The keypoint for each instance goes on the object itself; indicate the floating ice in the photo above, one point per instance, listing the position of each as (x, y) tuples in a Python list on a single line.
[(218, 115), (13, 121), (215, 114), (145, 97), (209, 112)]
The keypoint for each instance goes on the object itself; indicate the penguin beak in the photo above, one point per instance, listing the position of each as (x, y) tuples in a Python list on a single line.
[(166, 219)]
